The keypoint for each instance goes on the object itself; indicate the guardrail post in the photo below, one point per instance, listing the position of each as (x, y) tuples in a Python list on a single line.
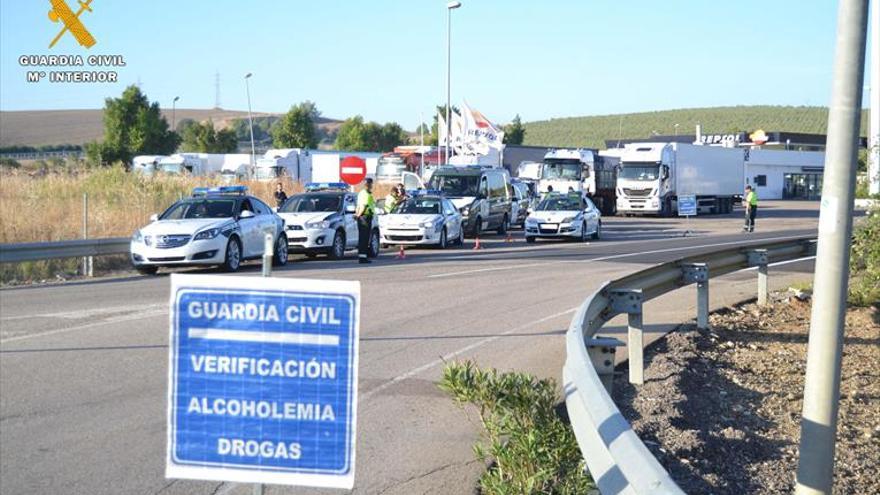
[(758, 257), (268, 250), (602, 353), (698, 273), (629, 301), (88, 262)]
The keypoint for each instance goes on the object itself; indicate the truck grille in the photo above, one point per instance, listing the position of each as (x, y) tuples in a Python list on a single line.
[(637, 192), (172, 241)]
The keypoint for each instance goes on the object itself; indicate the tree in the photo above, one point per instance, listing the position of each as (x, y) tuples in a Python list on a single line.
[(514, 132), (203, 138), (356, 135), (132, 126), (297, 128)]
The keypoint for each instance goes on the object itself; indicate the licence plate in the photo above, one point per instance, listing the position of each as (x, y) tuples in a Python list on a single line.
[(550, 226)]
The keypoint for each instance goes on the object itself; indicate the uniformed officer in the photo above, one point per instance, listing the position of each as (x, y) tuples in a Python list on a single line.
[(366, 208), (750, 201), (280, 195)]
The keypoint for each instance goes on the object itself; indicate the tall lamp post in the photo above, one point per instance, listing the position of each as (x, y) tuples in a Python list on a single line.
[(449, 8), (174, 113), (250, 118)]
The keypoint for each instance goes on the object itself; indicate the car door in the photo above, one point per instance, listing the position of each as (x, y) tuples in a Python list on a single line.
[(515, 205), (411, 181), (349, 208), (591, 215), (266, 220), (485, 202), (452, 219), (250, 231)]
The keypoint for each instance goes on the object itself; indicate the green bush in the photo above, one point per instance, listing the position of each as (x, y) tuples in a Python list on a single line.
[(533, 450), (864, 264)]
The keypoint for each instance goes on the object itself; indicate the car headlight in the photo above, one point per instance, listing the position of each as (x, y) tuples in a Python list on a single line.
[(429, 224), (531, 221), (207, 234), (465, 211), (137, 236), (569, 220), (320, 224)]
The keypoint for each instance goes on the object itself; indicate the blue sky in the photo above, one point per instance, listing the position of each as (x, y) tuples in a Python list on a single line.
[(385, 59)]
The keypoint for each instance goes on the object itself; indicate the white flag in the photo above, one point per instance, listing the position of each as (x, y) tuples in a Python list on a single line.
[(479, 129)]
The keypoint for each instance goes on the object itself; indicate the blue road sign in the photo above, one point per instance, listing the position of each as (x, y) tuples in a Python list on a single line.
[(263, 380), (687, 205)]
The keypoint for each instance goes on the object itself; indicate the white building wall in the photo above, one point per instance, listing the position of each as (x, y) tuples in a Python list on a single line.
[(775, 164)]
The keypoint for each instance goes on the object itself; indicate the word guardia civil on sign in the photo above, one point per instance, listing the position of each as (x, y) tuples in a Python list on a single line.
[(263, 380)]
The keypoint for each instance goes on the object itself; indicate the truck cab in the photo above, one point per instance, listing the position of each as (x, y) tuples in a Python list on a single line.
[(181, 164), (583, 171), (644, 179)]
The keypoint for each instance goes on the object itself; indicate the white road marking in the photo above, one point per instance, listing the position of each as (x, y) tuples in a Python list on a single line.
[(138, 316), (446, 357)]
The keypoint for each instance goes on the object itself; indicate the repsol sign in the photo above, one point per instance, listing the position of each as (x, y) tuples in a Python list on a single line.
[(722, 138)]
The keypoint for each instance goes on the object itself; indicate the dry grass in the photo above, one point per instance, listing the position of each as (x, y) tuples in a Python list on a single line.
[(50, 208)]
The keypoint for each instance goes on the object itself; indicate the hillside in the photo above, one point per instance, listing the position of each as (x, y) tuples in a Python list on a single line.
[(53, 127), (594, 130)]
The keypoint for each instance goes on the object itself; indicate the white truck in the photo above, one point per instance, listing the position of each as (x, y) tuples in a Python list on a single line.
[(146, 164), (653, 175), (286, 162), (236, 167), (581, 170), (195, 164)]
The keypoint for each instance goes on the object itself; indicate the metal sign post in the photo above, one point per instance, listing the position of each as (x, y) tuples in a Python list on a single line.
[(263, 380)]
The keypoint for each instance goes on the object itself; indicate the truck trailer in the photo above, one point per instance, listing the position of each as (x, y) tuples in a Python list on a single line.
[(653, 175), (285, 162)]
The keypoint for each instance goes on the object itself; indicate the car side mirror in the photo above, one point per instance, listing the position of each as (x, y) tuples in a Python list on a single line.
[(154, 218), (247, 214)]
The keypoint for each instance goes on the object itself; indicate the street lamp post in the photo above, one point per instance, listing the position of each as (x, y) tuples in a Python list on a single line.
[(250, 118), (676, 129), (449, 8), (173, 113)]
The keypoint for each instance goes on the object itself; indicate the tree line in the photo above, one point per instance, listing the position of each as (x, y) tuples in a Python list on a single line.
[(134, 126)]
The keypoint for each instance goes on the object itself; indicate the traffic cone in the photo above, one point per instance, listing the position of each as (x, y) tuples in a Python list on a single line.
[(509, 238), (477, 245), (401, 254)]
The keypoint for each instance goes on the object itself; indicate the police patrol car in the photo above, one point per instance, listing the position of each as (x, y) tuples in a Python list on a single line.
[(564, 216), (321, 221), (216, 226), (426, 218)]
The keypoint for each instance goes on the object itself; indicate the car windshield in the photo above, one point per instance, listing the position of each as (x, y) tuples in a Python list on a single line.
[(312, 203), (562, 169), (455, 185), (561, 203), (201, 208), (642, 171), (419, 206)]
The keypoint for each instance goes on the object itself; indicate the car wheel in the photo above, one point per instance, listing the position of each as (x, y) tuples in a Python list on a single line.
[(281, 255), (374, 244), (337, 249), (598, 233), (233, 256), (147, 270), (443, 242), (530, 240), (502, 229)]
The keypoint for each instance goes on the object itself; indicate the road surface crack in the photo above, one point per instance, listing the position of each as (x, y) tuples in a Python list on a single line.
[(426, 474)]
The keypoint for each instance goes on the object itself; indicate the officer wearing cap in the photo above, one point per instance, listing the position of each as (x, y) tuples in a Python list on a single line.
[(366, 208)]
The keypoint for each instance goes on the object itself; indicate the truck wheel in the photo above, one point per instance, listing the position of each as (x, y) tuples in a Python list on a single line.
[(337, 249), (232, 262), (502, 229)]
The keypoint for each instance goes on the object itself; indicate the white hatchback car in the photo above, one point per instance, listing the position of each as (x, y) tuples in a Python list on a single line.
[(216, 226), (564, 216), (321, 221), (424, 219)]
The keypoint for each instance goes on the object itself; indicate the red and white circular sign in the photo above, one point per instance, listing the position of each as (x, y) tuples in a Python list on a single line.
[(352, 170)]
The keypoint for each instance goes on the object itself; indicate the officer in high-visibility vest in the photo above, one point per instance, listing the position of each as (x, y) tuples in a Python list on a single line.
[(394, 198), (366, 208), (750, 202)]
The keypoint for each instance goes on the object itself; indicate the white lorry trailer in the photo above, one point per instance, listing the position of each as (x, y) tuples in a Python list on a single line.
[(195, 164), (146, 164), (581, 170), (294, 163), (653, 175)]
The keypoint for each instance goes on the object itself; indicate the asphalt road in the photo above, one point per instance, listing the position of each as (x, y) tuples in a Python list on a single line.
[(83, 365)]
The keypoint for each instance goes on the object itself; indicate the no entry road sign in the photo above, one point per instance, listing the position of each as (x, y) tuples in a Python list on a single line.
[(352, 170), (263, 380)]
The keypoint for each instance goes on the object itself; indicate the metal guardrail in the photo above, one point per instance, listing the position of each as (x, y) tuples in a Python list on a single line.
[(33, 251), (617, 459)]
